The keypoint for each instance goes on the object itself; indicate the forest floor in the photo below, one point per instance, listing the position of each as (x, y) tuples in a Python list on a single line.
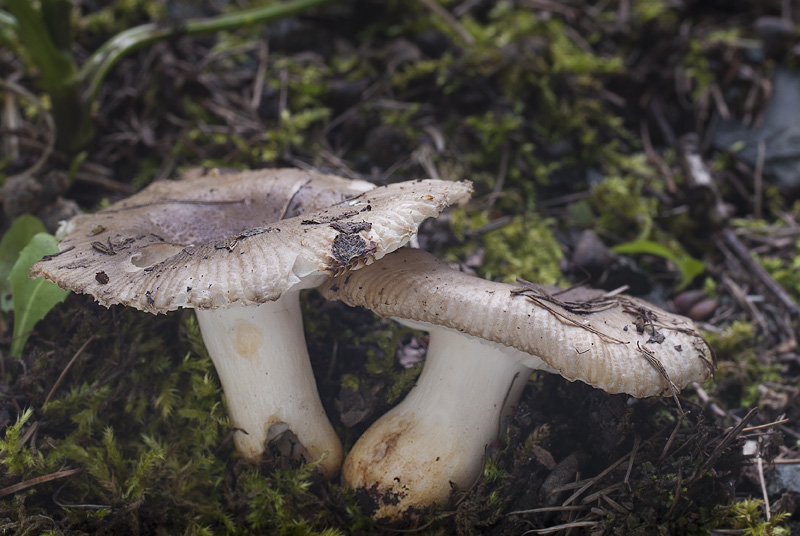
[(647, 143)]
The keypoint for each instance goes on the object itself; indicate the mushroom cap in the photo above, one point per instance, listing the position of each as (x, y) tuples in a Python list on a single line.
[(208, 241), (617, 343)]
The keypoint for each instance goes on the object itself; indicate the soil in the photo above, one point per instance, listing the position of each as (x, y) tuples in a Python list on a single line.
[(647, 144)]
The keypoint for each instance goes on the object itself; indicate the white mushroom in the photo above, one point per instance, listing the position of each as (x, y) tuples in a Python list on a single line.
[(485, 339), (236, 248)]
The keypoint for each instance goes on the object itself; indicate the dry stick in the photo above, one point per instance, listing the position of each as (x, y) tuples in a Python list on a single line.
[(758, 181), (615, 505), (29, 432), (671, 437), (762, 426), (730, 436), (760, 463), (705, 399), (66, 369), (663, 168), (741, 252), (437, 9), (501, 176), (48, 119), (261, 75), (556, 528), (599, 494), (637, 440), (678, 487), (38, 480), (407, 531), (719, 101), (741, 297), (545, 509), (595, 479)]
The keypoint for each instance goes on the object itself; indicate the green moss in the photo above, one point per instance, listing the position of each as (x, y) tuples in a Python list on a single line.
[(524, 248), (748, 517), (381, 363), (16, 457), (653, 10), (729, 343), (622, 209), (785, 271), (738, 363), (535, 438), (281, 502), (492, 472)]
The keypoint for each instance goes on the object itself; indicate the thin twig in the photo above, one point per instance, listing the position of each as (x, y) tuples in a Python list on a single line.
[(762, 426), (66, 369), (729, 437), (38, 480), (437, 9), (671, 437), (760, 465), (637, 441), (758, 181), (566, 526), (261, 75), (48, 119), (595, 479), (546, 509), (730, 239)]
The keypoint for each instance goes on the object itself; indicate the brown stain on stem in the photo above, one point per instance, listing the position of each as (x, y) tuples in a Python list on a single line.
[(247, 340)]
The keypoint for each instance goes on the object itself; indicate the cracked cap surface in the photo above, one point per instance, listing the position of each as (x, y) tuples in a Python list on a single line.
[(210, 240), (617, 343)]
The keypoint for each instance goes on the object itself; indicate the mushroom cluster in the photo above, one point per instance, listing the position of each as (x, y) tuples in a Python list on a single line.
[(239, 248)]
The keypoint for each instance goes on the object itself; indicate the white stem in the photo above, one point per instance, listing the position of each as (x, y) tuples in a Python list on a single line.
[(260, 355), (439, 433)]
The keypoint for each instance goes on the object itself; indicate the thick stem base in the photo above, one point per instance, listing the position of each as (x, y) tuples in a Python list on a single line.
[(261, 358)]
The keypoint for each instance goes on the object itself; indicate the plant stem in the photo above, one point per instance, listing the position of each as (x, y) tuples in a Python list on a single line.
[(97, 66)]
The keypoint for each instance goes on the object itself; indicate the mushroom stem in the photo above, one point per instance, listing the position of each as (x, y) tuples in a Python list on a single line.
[(262, 361), (439, 433)]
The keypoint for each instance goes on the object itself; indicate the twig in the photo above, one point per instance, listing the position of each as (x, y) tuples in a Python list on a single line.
[(48, 119), (637, 441), (437, 9), (729, 437), (701, 393), (762, 426), (501, 176), (546, 509), (603, 492), (556, 528), (744, 302), (740, 251), (595, 479), (655, 158), (38, 480), (66, 369), (758, 181), (668, 444), (760, 465)]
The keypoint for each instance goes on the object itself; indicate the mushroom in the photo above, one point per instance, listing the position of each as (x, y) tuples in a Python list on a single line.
[(236, 248), (485, 340)]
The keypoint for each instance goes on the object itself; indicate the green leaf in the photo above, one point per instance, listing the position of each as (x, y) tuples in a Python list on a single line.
[(33, 298), (688, 267), (15, 238), (56, 66)]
